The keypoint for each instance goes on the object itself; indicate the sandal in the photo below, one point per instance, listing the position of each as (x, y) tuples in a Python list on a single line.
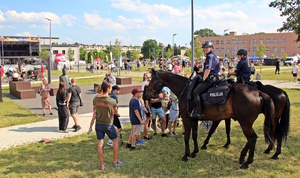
[(51, 113)]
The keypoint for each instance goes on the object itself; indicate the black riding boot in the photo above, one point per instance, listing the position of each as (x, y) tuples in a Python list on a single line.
[(197, 101)]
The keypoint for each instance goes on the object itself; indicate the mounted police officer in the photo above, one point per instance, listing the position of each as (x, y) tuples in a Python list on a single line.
[(211, 69), (242, 70)]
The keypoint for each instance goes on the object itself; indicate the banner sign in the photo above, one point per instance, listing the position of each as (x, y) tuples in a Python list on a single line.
[(19, 39)]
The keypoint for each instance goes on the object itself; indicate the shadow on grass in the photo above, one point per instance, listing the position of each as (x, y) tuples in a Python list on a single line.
[(20, 115)]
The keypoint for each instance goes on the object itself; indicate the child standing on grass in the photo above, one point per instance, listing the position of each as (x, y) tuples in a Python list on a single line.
[(174, 113), (135, 119)]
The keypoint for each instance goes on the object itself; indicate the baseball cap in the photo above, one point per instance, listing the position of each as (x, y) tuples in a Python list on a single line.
[(135, 91), (115, 87)]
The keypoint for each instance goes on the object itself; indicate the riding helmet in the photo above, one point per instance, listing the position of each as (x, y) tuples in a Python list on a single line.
[(207, 44), (242, 52)]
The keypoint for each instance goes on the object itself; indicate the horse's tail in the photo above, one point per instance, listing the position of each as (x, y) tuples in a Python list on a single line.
[(285, 118), (269, 112)]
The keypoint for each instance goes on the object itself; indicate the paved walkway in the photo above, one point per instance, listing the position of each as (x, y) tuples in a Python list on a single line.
[(33, 132)]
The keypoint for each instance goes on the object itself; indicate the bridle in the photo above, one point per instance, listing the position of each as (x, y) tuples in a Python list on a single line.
[(157, 84)]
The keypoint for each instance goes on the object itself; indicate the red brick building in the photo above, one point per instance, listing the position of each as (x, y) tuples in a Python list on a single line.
[(275, 43)]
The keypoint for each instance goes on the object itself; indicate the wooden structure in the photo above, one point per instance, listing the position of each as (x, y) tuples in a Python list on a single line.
[(21, 89), (125, 84)]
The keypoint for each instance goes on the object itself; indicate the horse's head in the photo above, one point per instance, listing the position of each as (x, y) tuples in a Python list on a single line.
[(154, 86)]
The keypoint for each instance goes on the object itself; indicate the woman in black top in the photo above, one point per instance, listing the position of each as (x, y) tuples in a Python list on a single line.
[(63, 112)]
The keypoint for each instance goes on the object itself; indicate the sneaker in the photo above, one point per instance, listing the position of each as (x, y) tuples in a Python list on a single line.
[(171, 134), (141, 142), (77, 128), (60, 131), (167, 130), (110, 143), (175, 133), (74, 127), (134, 148), (118, 164), (164, 135), (148, 138), (150, 129), (128, 145), (65, 131), (103, 167), (155, 134)]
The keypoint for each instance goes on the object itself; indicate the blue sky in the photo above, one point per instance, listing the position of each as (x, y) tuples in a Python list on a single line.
[(134, 21)]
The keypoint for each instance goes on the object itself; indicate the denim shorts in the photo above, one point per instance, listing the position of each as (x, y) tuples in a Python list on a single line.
[(157, 111), (102, 129)]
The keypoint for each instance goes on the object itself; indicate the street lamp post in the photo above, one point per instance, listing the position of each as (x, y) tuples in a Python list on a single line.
[(50, 56), (173, 42), (192, 35), (224, 43), (234, 48)]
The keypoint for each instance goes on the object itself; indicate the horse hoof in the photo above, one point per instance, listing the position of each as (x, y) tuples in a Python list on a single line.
[(274, 157), (193, 155), (244, 166), (203, 147), (185, 159), (242, 160), (267, 151), (226, 146)]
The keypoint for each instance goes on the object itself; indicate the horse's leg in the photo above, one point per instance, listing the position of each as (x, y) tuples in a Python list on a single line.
[(227, 125), (211, 131), (194, 136), (279, 142), (252, 142), (243, 153), (187, 134)]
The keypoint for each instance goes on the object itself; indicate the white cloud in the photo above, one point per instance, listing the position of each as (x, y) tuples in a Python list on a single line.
[(68, 19), (67, 40), (31, 17), (33, 26), (23, 34), (1, 16), (97, 22)]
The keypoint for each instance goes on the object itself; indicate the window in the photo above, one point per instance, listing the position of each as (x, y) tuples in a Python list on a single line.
[(233, 41), (222, 49), (227, 50), (55, 51), (233, 50), (267, 49), (282, 40), (274, 49), (268, 40), (217, 49), (245, 41), (212, 41), (254, 41), (222, 41), (227, 41), (239, 41), (261, 40), (63, 51), (281, 49), (217, 42), (275, 40), (254, 49)]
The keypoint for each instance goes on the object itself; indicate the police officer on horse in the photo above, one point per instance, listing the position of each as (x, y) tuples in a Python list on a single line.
[(242, 70), (210, 74)]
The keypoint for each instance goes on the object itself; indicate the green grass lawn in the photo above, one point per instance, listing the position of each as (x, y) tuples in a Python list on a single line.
[(268, 73), (161, 157), (13, 114)]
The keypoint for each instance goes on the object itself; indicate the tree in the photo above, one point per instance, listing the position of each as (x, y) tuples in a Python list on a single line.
[(198, 51), (205, 32), (44, 53), (82, 53), (229, 56), (188, 53), (129, 54), (135, 54), (291, 10), (116, 50), (102, 55), (168, 53), (70, 54), (284, 56), (150, 49), (272, 56), (260, 53)]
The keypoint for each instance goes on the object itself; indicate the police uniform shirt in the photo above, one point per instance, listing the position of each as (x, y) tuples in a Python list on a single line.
[(242, 69), (212, 62)]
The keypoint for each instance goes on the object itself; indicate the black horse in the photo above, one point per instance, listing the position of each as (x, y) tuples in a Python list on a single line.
[(244, 104), (282, 118)]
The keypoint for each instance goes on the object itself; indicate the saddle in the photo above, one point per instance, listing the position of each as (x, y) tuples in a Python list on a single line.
[(216, 94)]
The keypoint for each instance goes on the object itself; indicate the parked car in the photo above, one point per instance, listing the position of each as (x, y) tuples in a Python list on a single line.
[(290, 60)]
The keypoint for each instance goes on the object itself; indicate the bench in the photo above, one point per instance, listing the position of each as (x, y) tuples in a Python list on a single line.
[(36, 88), (123, 80), (21, 89), (25, 94)]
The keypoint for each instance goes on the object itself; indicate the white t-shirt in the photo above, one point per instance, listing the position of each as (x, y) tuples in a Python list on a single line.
[(170, 67), (295, 69)]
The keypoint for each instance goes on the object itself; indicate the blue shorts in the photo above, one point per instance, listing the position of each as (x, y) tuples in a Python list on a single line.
[(102, 129), (157, 111)]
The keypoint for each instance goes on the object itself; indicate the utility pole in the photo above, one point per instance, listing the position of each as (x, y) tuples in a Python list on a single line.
[(173, 42), (50, 57), (224, 43), (192, 35)]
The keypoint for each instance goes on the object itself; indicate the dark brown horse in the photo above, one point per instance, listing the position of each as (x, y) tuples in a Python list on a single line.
[(282, 118), (243, 104)]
